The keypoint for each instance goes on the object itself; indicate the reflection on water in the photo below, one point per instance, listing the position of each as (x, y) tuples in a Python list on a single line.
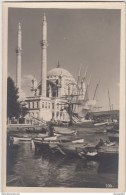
[(27, 168)]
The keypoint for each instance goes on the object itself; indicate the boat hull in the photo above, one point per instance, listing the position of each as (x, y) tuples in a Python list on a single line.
[(16, 139), (64, 131)]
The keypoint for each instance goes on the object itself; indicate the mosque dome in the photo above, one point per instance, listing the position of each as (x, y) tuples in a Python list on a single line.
[(58, 71)]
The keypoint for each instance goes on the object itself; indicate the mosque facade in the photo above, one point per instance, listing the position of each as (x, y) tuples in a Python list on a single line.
[(52, 95)]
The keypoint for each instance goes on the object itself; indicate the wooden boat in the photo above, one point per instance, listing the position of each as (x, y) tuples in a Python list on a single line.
[(100, 124), (16, 139), (92, 154), (108, 149), (50, 138), (110, 144), (57, 134), (113, 137), (64, 131), (114, 128), (89, 152), (36, 129), (78, 141), (40, 135), (85, 124)]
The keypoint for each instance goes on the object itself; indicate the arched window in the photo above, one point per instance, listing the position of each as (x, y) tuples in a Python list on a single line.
[(46, 105), (57, 106), (57, 114), (52, 105), (32, 104), (42, 104)]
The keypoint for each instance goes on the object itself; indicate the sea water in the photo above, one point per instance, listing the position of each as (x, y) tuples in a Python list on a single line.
[(28, 168)]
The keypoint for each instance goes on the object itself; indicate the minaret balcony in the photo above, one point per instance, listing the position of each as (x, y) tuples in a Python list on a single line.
[(44, 44), (18, 50)]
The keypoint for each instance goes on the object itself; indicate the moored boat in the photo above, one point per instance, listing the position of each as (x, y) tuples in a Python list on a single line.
[(64, 131), (16, 139), (113, 137), (89, 152), (108, 149), (50, 138)]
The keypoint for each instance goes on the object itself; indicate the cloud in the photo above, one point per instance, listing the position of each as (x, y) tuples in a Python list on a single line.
[(26, 84)]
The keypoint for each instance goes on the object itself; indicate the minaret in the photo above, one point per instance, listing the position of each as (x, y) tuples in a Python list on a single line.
[(18, 65), (44, 57)]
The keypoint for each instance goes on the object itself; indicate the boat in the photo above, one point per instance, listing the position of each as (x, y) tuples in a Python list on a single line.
[(113, 137), (36, 129), (64, 131), (100, 124), (110, 144), (89, 152), (113, 128), (86, 124), (16, 139), (50, 138), (78, 141), (108, 149)]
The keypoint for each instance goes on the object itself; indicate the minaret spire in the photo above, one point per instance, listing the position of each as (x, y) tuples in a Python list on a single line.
[(18, 65), (44, 57)]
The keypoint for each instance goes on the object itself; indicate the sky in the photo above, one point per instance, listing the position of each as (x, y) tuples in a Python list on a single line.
[(76, 37)]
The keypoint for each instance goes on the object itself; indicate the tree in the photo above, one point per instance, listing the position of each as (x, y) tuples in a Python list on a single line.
[(13, 105)]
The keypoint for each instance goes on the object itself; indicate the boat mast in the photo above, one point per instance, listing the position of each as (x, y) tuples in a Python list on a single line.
[(109, 101), (110, 105), (96, 89)]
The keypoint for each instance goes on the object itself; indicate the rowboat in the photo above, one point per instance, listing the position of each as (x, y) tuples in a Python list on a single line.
[(78, 141), (64, 131), (50, 138), (113, 137), (42, 135), (16, 139), (100, 124), (84, 124), (89, 152), (108, 149)]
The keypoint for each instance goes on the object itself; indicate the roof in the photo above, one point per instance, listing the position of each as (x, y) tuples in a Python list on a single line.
[(59, 71)]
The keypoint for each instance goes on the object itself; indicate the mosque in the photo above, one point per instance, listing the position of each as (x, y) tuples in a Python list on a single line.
[(56, 89)]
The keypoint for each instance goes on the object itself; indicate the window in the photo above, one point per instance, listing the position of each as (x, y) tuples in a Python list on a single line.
[(37, 104), (46, 105), (49, 106), (33, 104), (57, 114), (52, 115), (29, 105), (57, 106), (42, 104), (52, 105)]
